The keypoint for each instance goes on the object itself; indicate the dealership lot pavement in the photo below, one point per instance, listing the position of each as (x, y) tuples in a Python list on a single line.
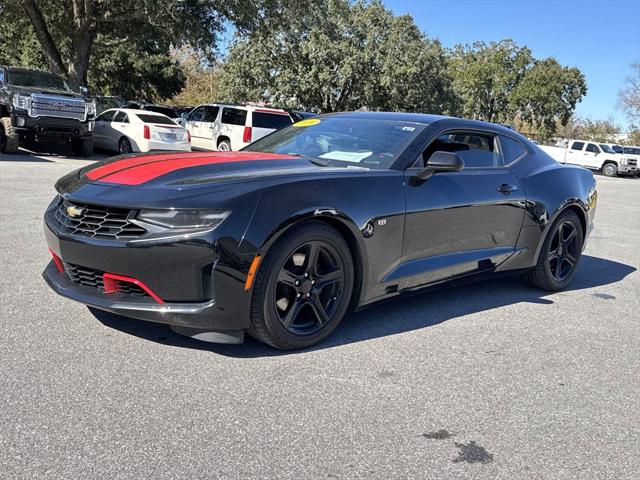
[(486, 381)]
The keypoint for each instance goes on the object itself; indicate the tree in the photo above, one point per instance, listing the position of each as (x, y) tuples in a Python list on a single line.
[(547, 94), (603, 131), (485, 75), (336, 55), (203, 82), (120, 46), (629, 95)]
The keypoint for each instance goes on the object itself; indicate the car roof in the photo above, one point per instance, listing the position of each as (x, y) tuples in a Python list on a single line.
[(429, 119), (244, 107), (135, 111)]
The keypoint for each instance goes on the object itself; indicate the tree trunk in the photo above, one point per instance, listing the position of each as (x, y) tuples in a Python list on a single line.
[(56, 65)]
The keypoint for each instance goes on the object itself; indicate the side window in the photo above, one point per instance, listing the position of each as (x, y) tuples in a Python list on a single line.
[(511, 149), (1, 76), (477, 150), (197, 114), (577, 145), (210, 114), (121, 117), (106, 116), (234, 116), (592, 148)]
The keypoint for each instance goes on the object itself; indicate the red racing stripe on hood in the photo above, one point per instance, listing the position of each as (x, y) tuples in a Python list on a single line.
[(112, 167), (144, 172)]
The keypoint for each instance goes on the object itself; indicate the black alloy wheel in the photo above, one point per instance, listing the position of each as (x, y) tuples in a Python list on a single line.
[(303, 287), (308, 287), (563, 251), (559, 255)]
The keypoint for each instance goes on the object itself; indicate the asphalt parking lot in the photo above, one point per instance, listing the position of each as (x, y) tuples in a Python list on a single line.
[(486, 381)]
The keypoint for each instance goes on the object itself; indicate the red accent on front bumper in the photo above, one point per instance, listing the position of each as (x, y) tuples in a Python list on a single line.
[(111, 281), (57, 261)]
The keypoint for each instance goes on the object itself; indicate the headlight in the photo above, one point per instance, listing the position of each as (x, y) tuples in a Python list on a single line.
[(22, 101), (91, 108), (183, 218), (624, 161)]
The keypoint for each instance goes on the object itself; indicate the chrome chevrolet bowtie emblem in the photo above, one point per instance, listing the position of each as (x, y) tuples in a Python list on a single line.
[(74, 211)]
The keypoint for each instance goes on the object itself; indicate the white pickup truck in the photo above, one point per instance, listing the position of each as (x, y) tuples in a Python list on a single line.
[(594, 156)]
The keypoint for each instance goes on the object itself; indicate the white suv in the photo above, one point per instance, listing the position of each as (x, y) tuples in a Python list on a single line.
[(230, 127)]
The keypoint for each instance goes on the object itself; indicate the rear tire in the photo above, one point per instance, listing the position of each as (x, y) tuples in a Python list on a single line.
[(124, 146), (560, 254), (9, 138), (224, 146), (610, 169), (303, 288), (82, 147)]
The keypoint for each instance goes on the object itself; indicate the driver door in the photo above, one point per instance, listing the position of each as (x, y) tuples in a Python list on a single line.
[(460, 222)]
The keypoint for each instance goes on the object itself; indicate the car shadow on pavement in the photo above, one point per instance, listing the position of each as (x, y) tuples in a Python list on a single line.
[(402, 314)]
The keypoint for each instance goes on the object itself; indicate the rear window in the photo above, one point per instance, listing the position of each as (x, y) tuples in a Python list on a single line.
[(169, 112), (148, 118), (271, 120), (233, 116), (511, 149)]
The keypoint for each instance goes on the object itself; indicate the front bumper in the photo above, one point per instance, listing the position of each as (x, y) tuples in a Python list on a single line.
[(51, 129), (195, 315), (197, 288)]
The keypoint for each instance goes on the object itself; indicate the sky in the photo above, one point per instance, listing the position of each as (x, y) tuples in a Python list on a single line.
[(601, 38)]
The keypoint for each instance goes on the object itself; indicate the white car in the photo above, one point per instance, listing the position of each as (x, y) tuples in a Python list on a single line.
[(126, 130), (231, 127)]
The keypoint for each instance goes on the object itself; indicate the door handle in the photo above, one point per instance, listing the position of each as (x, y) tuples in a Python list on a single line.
[(507, 189)]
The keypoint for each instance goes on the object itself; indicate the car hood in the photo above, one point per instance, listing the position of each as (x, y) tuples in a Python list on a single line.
[(48, 91), (177, 179)]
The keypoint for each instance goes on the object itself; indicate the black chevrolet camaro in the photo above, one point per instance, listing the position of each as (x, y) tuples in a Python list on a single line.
[(335, 212)]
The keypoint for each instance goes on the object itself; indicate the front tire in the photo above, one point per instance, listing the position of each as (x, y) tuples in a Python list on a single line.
[(82, 147), (303, 288), (9, 138), (560, 254), (610, 169)]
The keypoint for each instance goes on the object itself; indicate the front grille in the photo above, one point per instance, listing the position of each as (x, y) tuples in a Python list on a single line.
[(632, 162), (95, 221), (43, 105), (93, 278)]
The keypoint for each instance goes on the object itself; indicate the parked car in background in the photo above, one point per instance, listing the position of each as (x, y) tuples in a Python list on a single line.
[(594, 156), (231, 127), (633, 153), (298, 115), (37, 106), (168, 111), (126, 130)]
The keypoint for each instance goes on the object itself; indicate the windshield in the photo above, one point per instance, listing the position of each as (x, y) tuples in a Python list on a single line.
[(31, 78), (607, 148), (342, 141)]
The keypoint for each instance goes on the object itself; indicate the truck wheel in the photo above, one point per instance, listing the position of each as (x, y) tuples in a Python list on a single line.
[(610, 169), (82, 147), (9, 139)]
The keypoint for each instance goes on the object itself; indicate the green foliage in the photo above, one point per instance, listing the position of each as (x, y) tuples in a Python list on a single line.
[(485, 75), (548, 93), (336, 55)]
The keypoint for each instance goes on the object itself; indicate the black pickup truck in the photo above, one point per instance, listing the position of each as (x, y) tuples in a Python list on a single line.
[(38, 106)]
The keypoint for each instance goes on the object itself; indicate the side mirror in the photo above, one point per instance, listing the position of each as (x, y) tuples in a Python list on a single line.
[(84, 91), (441, 162)]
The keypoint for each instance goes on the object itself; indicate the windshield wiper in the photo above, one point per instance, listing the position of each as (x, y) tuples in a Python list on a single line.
[(318, 161)]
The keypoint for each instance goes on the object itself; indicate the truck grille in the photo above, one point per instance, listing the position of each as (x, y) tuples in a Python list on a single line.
[(95, 221), (90, 277), (632, 162), (43, 105)]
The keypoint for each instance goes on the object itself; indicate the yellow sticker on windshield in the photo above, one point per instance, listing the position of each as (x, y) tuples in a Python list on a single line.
[(307, 123)]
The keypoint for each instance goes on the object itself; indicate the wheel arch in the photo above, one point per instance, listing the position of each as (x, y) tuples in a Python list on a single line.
[(345, 226), (574, 206)]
